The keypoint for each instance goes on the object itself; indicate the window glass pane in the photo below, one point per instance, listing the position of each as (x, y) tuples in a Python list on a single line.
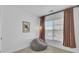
[(48, 25), (54, 27)]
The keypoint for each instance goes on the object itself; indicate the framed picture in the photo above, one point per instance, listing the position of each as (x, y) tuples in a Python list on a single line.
[(26, 27)]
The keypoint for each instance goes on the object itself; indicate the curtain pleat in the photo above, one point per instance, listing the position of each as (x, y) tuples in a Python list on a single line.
[(42, 28), (69, 36)]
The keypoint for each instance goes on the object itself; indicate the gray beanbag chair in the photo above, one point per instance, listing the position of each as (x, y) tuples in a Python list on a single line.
[(38, 45)]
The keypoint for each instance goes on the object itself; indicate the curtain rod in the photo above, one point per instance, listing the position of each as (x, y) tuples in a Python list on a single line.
[(60, 11)]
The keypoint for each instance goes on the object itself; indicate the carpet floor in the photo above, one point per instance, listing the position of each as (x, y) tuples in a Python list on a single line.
[(49, 49)]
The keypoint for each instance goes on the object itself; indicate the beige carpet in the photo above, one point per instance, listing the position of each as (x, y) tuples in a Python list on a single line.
[(49, 49)]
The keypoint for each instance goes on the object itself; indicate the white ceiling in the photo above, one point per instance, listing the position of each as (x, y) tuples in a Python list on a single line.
[(40, 10)]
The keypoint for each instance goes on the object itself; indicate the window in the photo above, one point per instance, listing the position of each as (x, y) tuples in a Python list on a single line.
[(54, 27), (48, 30), (48, 25)]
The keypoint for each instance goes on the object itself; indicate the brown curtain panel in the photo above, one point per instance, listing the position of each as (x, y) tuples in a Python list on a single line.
[(42, 28), (69, 36)]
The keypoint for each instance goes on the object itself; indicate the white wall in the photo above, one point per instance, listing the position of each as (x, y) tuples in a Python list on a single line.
[(0, 29), (13, 38), (76, 23)]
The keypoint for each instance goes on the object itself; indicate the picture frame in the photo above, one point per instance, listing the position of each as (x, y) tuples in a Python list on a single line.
[(25, 26)]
